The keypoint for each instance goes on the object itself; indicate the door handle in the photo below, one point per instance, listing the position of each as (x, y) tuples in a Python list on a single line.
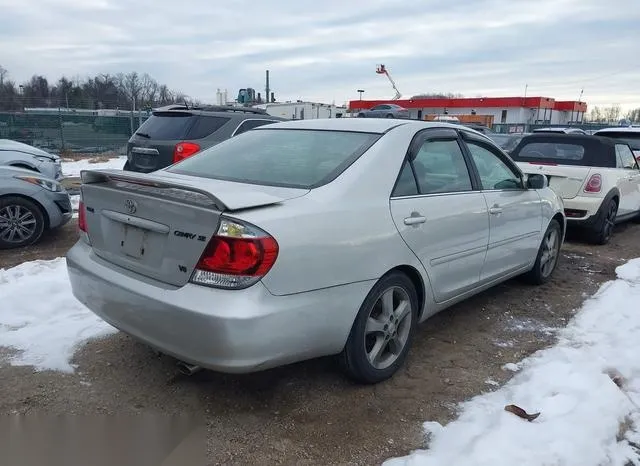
[(495, 210), (415, 219)]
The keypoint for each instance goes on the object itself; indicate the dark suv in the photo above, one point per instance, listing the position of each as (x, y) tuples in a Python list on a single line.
[(176, 132)]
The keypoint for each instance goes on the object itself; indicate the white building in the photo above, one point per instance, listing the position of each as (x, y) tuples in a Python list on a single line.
[(303, 110)]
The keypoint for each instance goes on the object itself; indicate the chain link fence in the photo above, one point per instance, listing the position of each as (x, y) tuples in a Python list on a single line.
[(69, 132), (509, 128)]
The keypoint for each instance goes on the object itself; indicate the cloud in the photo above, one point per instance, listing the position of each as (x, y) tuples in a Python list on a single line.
[(326, 50)]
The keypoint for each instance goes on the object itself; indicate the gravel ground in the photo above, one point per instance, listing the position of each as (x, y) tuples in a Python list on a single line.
[(308, 413)]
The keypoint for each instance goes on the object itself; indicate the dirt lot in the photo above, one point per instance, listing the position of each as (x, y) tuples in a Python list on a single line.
[(308, 413)]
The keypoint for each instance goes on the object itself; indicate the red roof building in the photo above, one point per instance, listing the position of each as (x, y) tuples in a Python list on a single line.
[(506, 110)]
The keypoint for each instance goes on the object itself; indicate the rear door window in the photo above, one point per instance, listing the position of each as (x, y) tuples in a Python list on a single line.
[(204, 126), (440, 168)]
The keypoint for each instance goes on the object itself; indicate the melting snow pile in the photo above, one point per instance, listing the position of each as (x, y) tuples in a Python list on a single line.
[(73, 168), (586, 388), (40, 318)]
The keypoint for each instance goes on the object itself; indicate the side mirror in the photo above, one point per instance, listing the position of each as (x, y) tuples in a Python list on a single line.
[(537, 181)]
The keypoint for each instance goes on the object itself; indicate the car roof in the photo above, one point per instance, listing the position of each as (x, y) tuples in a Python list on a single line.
[(620, 129), (368, 125), (567, 138), (228, 111), (9, 144)]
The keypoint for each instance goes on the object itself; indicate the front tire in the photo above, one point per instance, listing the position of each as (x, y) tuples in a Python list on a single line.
[(389, 115), (548, 255), (21, 222), (604, 229), (383, 330)]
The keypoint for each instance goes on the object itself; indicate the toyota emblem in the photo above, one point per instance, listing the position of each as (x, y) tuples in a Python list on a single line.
[(131, 206)]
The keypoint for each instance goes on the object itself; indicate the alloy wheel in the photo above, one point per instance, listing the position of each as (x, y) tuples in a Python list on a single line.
[(609, 221), (388, 327), (17, 224), (550, 251)]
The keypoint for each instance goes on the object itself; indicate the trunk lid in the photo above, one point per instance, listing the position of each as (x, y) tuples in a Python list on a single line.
[(158, 226), (565, 180)]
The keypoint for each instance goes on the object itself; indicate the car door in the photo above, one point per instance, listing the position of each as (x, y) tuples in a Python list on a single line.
[(440, 212), (515, 213), (629, 180), (378, 110)]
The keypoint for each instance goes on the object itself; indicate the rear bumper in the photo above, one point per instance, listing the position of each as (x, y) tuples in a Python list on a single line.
[(229, 331), (582, 210)]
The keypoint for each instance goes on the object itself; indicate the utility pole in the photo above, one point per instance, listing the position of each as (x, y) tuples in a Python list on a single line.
[(267, 89)]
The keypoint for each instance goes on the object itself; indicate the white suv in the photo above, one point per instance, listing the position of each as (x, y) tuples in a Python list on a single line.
[(597, 177), (629, 134)]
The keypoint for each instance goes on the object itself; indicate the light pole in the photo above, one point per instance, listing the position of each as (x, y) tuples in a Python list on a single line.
[(360, 91)]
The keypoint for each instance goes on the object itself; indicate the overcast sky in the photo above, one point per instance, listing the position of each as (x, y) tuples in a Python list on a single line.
[(324, 50)]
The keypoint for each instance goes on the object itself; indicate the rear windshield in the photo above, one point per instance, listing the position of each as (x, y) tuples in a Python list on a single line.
[(592, 154), (179, 126), (633, 139), (280, 157)]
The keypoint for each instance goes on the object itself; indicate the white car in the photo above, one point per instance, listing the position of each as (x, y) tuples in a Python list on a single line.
[(629, 134), (597, 177)]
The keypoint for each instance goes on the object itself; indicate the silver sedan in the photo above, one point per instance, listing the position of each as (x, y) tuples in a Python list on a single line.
[(29, 205), (18, 154), (310, 238)]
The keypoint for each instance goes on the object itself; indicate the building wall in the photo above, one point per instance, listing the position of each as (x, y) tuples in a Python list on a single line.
[(513, 114), (304, 110)]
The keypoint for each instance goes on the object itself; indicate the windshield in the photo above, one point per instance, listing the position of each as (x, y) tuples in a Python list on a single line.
[(280, 157)]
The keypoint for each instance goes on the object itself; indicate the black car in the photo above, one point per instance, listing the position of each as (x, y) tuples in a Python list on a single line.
[(176, 132)]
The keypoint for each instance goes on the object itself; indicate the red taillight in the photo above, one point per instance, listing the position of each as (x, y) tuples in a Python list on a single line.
[(184, 150), (82, 217), (236, 257), (594, 185)]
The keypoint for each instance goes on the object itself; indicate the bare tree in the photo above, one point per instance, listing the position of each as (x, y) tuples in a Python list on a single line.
[(3, 73), (612, 113), (634, 115), (148, 90)]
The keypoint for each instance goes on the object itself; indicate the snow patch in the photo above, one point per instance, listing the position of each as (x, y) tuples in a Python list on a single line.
[(41, 319), (586, 418), (73, 168)]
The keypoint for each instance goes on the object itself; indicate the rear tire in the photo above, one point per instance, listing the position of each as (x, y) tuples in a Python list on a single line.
[(383, 330), (361, 115), (389, 115), (21, 222), (604, 228), (548, 255)]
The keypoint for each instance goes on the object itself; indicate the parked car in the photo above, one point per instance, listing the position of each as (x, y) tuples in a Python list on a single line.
[(176, 132), (385, 111), (507, 142), (18, 154), (480, 128), (310, 238), (560, 130), (629, 134), (29, 204), (597, 177)]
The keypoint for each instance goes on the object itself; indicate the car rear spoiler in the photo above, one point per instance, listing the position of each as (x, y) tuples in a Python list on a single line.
[(148, 184)]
